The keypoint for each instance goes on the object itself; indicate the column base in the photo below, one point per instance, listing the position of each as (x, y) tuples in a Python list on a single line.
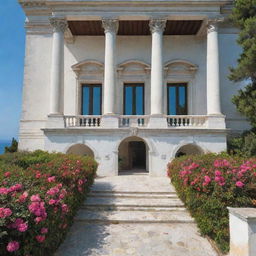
[(110, 121), (157, 121), (216, 122)]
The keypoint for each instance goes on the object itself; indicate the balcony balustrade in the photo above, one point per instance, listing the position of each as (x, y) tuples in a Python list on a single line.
[(82, 121), (133, 121), (125, 121), (186, 121)]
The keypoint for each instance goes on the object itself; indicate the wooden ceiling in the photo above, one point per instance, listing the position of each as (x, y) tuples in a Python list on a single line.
[(135, 27)]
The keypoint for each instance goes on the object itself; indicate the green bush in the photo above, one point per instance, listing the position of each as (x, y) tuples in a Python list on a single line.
[(244, 145), (210, 183), (39, 196)]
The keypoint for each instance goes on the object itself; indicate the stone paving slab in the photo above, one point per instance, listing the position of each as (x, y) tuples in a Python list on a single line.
[(136, 240)]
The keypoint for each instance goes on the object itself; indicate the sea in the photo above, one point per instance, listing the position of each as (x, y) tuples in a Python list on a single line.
[(3, 144)]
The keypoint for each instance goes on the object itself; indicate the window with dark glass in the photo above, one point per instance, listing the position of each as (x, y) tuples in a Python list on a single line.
[(134, 99), (91, 99), (177, 99)]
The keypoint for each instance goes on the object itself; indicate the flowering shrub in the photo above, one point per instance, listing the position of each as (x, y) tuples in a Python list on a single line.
[(210, 183), (38, 203)]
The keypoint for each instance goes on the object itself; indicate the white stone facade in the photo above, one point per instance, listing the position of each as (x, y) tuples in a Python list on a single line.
[(58, 62)]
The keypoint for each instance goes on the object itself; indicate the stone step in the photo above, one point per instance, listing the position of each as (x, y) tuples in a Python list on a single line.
[(133, 195), (118, 217), (131, 202), (133, 192), (133, 208)]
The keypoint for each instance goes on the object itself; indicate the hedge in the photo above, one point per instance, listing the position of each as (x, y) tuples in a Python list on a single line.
[(210, 183), (39, 196)]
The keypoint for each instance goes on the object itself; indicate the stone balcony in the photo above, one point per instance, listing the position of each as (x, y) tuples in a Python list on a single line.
[(144, 121)]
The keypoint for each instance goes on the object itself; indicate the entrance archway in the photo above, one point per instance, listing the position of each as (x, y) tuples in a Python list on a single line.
[(80, 150), (133, 156), (189, 149)]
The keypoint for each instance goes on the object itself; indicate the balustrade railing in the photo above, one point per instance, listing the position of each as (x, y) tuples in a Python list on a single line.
[(186, 121), (133, 121), (82, 121), (175, 121)]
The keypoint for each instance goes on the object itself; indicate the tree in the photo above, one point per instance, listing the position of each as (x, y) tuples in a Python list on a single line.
[(13, 148), (244, 17)]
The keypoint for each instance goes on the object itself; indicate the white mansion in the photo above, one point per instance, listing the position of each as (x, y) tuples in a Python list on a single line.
[(134, 83)]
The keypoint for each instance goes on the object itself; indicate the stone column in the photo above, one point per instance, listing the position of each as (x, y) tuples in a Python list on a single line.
[(213, 76), (157, 27), (110, 27), (57, 69)]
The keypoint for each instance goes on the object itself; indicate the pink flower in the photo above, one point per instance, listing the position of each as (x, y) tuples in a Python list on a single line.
[(64, 208), (38, 219), (13, 246), (51, 179), (80, 182), (7, 174), (23, 227), (15, 187), (239, 184), (44, 230), (207, 180), (53, 191), (23, 197), (40, 238), (218, 173), (5, 212), (4, 191), (35, 198), (51, 202)]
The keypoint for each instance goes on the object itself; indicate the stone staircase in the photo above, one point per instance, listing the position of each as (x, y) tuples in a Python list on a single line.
[(113, 207), (134, 215)]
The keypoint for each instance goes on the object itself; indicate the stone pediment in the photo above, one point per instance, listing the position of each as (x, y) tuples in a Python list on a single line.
[(88, 67), (133, 67), (180, 67)]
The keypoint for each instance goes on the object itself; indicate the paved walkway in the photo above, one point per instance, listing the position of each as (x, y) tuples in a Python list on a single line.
[(134, 215)]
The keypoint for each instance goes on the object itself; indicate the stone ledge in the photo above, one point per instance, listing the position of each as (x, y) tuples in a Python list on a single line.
[(246, 214)]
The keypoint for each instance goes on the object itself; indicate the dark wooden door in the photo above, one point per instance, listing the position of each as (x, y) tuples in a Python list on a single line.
[(138, 154)]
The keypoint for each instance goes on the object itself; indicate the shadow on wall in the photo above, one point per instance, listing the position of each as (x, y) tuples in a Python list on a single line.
[(189, 149), (80, 150)]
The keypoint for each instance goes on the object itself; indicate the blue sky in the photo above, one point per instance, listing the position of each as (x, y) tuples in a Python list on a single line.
[(12, 41)]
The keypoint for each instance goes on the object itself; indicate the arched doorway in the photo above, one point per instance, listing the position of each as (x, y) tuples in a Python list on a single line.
[(189, 149), (80, 150), (133, 156)]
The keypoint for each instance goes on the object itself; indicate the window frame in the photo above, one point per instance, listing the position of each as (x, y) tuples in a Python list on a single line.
[(134, 85), (91, 86), (177, 85)]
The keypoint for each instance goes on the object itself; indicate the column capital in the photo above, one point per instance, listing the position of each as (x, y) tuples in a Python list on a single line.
[(58, 24), (157, 25), (110, 25), (212, 24)]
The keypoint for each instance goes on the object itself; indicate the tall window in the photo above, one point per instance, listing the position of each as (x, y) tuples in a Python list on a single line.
[(134, 99), (91, 99), (177, 99)]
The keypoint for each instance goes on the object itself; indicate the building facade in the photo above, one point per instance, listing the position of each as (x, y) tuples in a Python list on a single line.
[(133, 83)]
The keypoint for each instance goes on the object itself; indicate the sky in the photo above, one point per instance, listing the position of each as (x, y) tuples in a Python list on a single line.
[(12, 49)]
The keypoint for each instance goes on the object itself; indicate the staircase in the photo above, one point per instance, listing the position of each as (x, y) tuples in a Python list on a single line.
[(114, 207), (134, 215)]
